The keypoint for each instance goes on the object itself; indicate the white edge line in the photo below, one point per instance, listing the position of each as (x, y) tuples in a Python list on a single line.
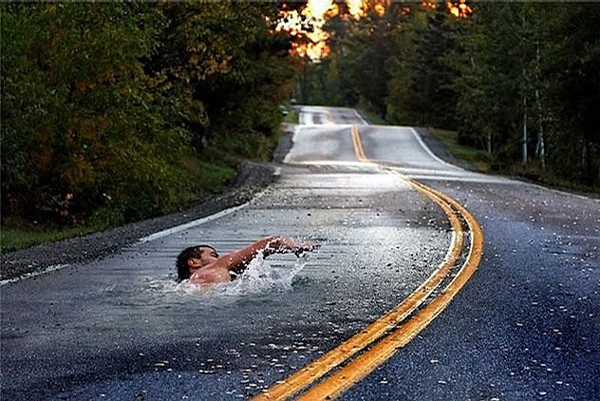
[(191, 224), (148, 238), (286, 159), (360, 117), (32, 274), (429, 152), (500, 178), (558, 191)]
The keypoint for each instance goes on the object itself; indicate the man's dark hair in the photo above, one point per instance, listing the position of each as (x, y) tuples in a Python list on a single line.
[(183, 270)]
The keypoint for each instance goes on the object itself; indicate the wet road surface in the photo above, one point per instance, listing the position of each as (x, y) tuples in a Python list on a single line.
[(525, 326), (120, 328)]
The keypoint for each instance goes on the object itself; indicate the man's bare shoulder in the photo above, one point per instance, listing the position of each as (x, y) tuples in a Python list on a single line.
[(211, 274)]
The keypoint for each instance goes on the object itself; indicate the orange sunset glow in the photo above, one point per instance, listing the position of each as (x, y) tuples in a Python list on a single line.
[(459, 9), (309, 22)]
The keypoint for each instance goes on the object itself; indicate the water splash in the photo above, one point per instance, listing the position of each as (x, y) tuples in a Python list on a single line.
[(258, 278)]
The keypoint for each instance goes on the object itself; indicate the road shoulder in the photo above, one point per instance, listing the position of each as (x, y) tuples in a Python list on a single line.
[(253, 177)]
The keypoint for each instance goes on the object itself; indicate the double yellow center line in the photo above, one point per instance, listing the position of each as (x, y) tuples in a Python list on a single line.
[(388, 334), (357, 143)]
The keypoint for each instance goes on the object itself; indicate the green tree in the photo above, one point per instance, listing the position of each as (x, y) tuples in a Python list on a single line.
[(433, 96), (493, 65), (570, 67), (79, 126), (117, 109), (228, 71), (529, 83), (400, 66), (368, 46), (243, 105)]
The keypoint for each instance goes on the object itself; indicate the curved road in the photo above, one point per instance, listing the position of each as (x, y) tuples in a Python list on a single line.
[(526, 325)]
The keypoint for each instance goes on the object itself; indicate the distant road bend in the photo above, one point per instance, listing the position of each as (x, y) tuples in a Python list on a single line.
[(432, 283)]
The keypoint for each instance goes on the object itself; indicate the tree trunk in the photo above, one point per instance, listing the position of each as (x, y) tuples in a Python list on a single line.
[(524, 148), (540, 148)]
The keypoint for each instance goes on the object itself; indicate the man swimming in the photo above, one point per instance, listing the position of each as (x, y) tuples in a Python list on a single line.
[(201, 264)]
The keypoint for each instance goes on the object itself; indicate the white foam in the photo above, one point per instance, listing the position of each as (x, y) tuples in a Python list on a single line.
[(259, 278)]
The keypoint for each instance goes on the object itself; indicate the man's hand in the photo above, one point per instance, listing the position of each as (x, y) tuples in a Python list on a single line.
[(283, 244), (307, 246)]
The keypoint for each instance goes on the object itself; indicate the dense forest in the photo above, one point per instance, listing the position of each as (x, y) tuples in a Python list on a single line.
[(520, 80), (113, 112)]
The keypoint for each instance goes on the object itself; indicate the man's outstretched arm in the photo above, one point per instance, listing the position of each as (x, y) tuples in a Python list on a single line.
[(237, 261)]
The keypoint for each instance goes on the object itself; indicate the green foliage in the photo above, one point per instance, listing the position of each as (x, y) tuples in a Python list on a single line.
[(355, 72), (369, 50), (529, 79), (79, 114), (570, 79), (224, 58), (421, 85), (518, 80), (403, 76), (490, 107), (292, 117), (104, 104)]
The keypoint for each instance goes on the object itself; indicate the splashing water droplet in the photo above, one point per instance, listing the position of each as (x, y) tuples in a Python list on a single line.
[(258, 278)]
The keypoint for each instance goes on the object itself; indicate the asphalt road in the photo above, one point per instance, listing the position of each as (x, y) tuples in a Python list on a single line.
[(526, 325)]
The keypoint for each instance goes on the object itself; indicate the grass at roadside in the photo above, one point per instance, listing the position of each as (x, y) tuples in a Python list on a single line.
[(482, 162), (291, 117), (20, 236), (210, 178), (372, 118), (475, 158)]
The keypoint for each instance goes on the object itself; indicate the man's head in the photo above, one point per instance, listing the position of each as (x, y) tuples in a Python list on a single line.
[(193, 258)]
